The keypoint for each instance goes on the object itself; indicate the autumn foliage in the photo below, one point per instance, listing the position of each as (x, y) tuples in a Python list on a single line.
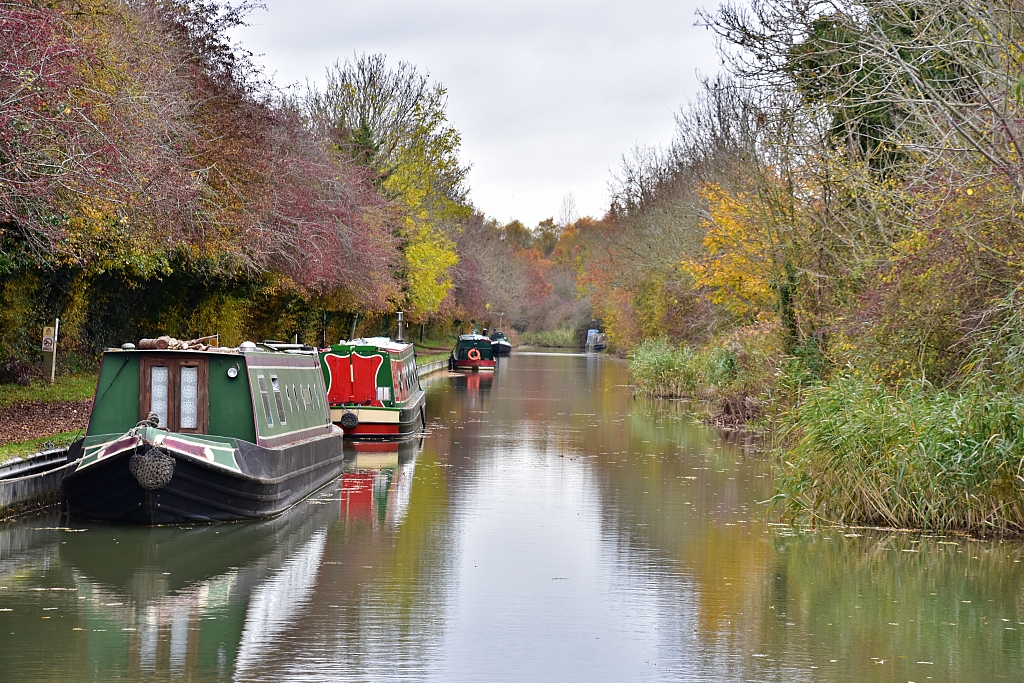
[(833, 241), (138, 147)]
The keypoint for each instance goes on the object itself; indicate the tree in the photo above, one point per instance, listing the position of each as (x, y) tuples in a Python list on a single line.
[(393, 122)]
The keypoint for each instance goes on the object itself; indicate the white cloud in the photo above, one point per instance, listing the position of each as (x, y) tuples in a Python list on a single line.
[(547, 95)]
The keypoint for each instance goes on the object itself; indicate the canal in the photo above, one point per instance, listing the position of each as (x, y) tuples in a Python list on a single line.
[(549, 527)]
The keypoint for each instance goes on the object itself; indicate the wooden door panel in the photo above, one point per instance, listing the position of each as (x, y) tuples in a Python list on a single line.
[(196, 392)]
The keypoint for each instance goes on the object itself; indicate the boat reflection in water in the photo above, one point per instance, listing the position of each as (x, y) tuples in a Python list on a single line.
[(475, 386), (377, 482), (193, 603), (193, 600)]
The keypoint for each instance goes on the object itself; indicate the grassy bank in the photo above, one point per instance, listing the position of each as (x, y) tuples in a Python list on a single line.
[(424, 358), (30, 446), (78, 387)]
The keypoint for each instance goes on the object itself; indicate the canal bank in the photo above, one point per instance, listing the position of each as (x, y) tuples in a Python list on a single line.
[(854, 450), (547, 511)]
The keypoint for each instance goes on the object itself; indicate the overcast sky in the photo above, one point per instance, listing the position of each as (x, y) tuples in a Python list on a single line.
[(547, 94)]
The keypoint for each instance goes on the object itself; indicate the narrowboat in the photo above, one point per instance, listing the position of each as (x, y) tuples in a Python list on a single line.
[(500, 344), (472, 353), (596, 341), (373, 388), (203, 434), (32, 482)]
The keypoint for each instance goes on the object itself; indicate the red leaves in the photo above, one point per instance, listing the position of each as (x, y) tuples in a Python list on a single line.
[(128, 134)]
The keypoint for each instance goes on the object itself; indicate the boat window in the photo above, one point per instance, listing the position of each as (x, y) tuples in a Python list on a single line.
[(278, 399), (312, 397), (266, 399), (305, 396), (383, 394), (189, 416), (159, 392), (288, 395)]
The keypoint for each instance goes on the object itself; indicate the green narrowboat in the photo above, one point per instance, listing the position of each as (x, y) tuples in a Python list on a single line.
[(203, 434), (373, 388), (472, 353)]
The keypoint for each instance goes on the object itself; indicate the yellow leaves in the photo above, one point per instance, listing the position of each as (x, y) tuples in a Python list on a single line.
[(739, 259), (429, 255), (911, 244), (414, 183)]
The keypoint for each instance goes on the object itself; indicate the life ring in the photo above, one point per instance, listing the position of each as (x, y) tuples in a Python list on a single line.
[(474, 354)]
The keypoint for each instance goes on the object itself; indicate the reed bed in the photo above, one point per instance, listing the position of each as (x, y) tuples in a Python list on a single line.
[(660, 368), (744, 364), (563, 337), (856, 452)]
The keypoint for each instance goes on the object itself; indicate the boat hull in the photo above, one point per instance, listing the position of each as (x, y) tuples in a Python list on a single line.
[(384, 423), (502, 348), (268, 482), (482, 365)]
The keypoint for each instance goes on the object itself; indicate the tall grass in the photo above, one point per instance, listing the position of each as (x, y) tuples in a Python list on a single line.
[(660, 368), (914, 457), (745, 363), (564, 337)]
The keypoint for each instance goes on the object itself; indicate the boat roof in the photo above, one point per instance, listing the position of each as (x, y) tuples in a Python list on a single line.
[(245, 349), (214, 351), (382, 343)]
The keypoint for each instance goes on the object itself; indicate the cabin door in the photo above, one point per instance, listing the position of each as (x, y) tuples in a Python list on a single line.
[(176, 390)]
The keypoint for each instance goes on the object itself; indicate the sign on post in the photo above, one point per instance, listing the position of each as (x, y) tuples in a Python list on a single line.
[(50, 349)]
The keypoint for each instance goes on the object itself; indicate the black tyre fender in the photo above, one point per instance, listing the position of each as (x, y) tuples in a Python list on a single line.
[(349, 420)]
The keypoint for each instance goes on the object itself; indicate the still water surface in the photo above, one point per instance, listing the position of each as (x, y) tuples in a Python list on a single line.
[(548, 528)]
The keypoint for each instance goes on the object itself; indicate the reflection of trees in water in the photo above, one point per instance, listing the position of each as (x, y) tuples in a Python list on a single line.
[(901, 597), (364, 593)]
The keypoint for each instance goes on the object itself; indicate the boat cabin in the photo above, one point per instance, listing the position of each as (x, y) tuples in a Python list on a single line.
[(264, 397), (373, 387)]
